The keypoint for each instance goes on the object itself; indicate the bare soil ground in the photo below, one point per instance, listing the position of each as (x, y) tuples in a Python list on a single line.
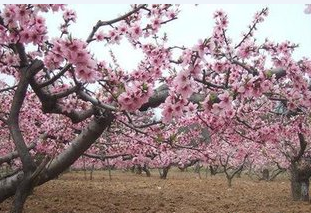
[(182, 192)]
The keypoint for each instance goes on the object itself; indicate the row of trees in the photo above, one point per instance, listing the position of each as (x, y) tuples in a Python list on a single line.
[(221, 99)]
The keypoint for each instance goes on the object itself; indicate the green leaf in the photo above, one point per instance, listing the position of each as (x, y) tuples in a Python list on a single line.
[(269, 74), (213, 97), (145, 87), (173, 137), (159, 138)]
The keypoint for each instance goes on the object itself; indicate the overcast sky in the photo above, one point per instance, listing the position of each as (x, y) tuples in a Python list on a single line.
[(285, 22)]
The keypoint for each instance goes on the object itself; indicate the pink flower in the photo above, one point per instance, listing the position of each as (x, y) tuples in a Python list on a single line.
[(171, 14), (182, 78), (114, 36), (192, 107), (246, 49), (99, 36), (219, 14), (9, 13), (178, 110), (216, 109), (230, 113), (135, 96), (226, 100), (185, 90), (265, 86), (186, 57), (195, 71), (123, 28), (156, 23), (155, 61), (219, 67), (70, 15), (135, 31), (86, 75), (241, 89), (167, 114), (125, 99)]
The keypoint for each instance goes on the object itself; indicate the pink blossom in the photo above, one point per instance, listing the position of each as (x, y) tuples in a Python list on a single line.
[(185, 90), (99, 36), (135, 31), (171, 14), (123, 28), (156, 23), (192, 107), (226, 100), (182, 78), (114, 37), (86, 75), (70, 15), (246, 49)]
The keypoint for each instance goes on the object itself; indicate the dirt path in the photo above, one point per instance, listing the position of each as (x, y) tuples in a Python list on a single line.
[(181, 193)]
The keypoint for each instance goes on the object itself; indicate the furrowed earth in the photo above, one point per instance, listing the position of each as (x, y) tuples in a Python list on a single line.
[(182, 192)]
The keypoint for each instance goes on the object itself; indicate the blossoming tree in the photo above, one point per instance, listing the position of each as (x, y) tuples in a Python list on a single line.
[(51, 116)]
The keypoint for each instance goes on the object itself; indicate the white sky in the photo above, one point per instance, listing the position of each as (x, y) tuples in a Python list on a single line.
[(285, 22)]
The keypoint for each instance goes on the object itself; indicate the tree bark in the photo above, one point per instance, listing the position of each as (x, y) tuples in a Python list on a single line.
[(79, 145), (213, 170), (229, 181), (295, 184), (145, 169), (28, 165), (92, 170), (266, 175), (21, 194), (163, 174), (300, 183), (305, 190)]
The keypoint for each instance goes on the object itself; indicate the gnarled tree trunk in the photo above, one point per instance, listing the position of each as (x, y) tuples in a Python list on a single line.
[(20, 184)]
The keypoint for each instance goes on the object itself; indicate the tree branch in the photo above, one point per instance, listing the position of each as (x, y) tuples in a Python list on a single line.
[(110, 22), (104, 157), (303, 146), (9, 157)]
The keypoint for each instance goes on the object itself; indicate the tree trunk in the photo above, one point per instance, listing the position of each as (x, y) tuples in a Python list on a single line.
[(199, 172), (9, 186), (84, 168), (21, 194), (138, 169), (164, 173), (265, 175), (305, 190), (145, 169), (197, 167), (229, 181), (295, 185), (299, 183), (109, 169), (92, 170), (213, 170)]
